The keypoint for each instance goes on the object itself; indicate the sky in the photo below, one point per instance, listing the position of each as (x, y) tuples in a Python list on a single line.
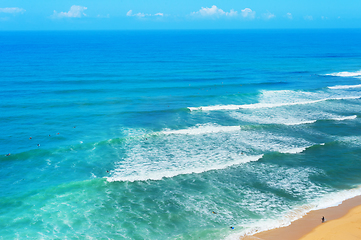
[(177, 14)]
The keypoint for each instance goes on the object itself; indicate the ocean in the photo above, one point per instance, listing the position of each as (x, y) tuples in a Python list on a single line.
[(209, 134)]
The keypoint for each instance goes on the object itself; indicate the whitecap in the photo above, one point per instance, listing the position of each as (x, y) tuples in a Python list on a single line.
[(345, 86), (203, 129), (345, 74), (267, 105), (300, 123), (345, 118), (158, 175)]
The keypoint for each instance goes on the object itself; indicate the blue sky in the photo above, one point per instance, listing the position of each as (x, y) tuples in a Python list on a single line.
[(177, 14)]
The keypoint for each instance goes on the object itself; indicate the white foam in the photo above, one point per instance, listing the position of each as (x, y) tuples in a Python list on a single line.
[(326, 201), (335, 199), (266, 105), (345, 118), (300, 123), (294, 150), (345, 86), (313, 121), (345, 74), (203, 129), (187, 151), (118, 175)]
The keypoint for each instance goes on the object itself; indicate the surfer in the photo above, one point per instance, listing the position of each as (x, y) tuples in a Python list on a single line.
[(8, 154), (323, 219)]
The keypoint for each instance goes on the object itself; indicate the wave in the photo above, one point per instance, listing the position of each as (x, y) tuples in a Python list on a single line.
[(118, 176), (313, 121), (265, 105), (193, 151), (345, 118), (199, 129), (345, 86), (345, 74), (327, 200), (300, 123), (294, 150)]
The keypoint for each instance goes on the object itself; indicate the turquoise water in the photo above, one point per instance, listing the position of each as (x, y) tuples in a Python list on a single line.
[(143, 134)]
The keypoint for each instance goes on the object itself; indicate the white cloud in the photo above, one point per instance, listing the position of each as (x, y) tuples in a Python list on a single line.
[(248, 13), (141, 15), (268, 15), (129, 13), (232, 13), (74, 12), (12, 10), (214, 11), (310, 18), (289, 16)]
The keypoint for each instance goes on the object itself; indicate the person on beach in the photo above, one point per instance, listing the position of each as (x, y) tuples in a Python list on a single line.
[(323, 219)]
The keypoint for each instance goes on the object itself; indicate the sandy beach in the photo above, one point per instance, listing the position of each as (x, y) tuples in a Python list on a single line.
[(342, 223)]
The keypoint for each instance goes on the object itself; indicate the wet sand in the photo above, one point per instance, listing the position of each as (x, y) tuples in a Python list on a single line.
[(312, 222)]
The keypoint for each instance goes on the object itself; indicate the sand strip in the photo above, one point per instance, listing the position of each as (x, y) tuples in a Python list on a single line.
[(312, 220), (346, 228)]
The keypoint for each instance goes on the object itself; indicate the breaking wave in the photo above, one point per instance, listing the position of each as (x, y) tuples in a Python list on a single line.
[(345, 86), (265, 105), (345, 74), (141, 175)]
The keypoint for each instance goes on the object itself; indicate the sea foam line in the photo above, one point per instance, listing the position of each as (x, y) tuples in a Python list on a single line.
[(345, 74), (117, 176), (345, 86), (328, 200), (203, 130), (345, 118), (313, 121), (294, 150), (263, 105), (300, 123)]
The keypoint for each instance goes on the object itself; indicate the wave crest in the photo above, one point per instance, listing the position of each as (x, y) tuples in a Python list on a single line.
[(345, 74), (345, 86), (266, 105), (119, 175)]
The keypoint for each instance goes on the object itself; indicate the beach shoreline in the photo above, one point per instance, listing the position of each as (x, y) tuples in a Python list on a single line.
[(311, 222)]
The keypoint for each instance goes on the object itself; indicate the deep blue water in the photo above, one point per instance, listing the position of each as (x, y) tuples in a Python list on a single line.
[(143, 134)]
